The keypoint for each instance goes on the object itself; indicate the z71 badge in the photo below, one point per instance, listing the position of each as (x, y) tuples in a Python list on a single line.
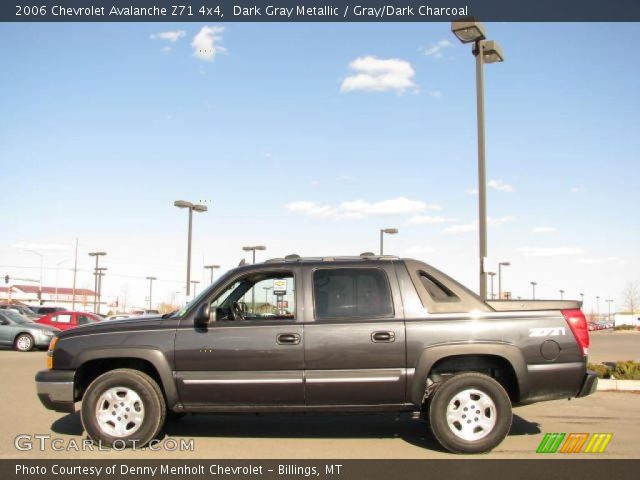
[(547, 332)]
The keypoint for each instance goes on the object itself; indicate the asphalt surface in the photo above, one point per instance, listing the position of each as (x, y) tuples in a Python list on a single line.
[(609, 346), (306, 436)]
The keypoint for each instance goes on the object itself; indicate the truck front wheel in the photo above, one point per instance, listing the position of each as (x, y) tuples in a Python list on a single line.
[(470, 413), (123, 408)]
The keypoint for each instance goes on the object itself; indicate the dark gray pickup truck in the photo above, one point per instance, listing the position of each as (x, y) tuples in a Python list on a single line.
[(333, 334)]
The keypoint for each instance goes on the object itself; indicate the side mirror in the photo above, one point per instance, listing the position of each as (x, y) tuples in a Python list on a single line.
[(202, 318)]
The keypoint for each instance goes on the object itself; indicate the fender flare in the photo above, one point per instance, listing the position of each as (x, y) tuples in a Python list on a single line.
[(154, 356), (431, 355)]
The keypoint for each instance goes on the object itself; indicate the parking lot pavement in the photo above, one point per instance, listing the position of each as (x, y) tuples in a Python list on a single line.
[(609, 346), (309, 436)]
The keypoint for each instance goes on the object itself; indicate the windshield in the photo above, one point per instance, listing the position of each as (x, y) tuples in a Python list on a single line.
[(16, 317), (184, 309)]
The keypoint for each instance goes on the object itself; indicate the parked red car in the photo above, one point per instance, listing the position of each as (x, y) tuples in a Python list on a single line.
[(67, 320)]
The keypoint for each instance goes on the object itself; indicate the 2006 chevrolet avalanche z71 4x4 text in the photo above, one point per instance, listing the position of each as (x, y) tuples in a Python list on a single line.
[(337, 334)]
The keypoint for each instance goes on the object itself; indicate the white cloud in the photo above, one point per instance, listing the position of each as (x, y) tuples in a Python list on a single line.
[(471, 191), (312, 209), (544, 230), (373, 74), (429, 220), (576, 190), (167, 49), (314, 183), (417, 250), (500, 186), (435, 49), (171, 36), (39, 246), (206, 43), (473, 226), (361, 208), (437, 94), (599, 260), (550, 251)]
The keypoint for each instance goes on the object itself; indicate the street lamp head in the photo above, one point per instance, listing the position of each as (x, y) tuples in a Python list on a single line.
[(468, 31), (212, 266), (390, 231), (199, 208), (493, 52), (151, 278), (97, 254), (256, 247), (491, 274), (505, 264), (182, 204)]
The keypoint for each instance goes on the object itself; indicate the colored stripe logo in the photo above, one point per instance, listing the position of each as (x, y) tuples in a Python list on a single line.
[(574, 443)]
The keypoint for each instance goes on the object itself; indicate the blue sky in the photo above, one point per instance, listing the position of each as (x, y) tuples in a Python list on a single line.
[(281, 127)]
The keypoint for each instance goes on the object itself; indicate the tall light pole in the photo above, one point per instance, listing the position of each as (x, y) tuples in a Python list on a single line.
[(195, 284), (598, 307), (192, 208), (500, 265), (211, 268), (266, 291), (561, 294), (533, 287), (100, 272), (95, 285), (609, 300), (485, 51), (388, 231), (582, 298), (253, 248), (151, 279), (491, 275)]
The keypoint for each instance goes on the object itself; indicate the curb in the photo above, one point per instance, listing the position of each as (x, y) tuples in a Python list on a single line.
[(618, 385)]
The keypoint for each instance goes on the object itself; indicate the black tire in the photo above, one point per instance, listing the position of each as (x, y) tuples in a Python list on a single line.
[(150, 395), (446, 394), (24, 339)]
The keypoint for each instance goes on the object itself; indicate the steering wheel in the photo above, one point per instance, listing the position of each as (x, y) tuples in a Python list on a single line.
[(236, 311)]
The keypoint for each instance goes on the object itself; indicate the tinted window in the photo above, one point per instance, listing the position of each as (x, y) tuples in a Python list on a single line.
[(351, 292), (84, 320), (436, 290)]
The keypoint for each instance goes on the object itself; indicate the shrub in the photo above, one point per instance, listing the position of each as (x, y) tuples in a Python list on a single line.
[(622, 370)]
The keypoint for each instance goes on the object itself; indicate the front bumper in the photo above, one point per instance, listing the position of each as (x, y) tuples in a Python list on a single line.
[(589, 384), (56, 389)]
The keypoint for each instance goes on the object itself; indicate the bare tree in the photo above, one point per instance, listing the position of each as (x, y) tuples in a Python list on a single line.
[(631, 296)]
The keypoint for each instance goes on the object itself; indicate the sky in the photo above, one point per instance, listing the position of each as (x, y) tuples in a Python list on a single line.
[(309, 138)]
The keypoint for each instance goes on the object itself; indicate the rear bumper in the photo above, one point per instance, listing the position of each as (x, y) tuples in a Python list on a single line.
[(589, 384), (55, 389)]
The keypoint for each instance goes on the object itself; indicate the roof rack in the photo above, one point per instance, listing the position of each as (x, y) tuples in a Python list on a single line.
[(364, 256)]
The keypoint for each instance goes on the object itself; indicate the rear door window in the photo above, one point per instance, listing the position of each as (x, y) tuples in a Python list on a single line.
[(351, 293)]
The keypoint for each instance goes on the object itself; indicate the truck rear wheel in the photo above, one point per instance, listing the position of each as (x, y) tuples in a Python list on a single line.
[(123, 408), (470, 413)]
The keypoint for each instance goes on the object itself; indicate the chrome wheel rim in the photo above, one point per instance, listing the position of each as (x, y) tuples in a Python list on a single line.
[(471, 414), (24, 343), (119, 412)]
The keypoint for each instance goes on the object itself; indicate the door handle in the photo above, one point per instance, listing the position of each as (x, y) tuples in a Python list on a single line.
[(383, 337), (288, 339)]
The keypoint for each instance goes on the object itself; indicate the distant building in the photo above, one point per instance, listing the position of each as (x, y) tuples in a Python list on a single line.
[(55, 296), (626, 319)]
